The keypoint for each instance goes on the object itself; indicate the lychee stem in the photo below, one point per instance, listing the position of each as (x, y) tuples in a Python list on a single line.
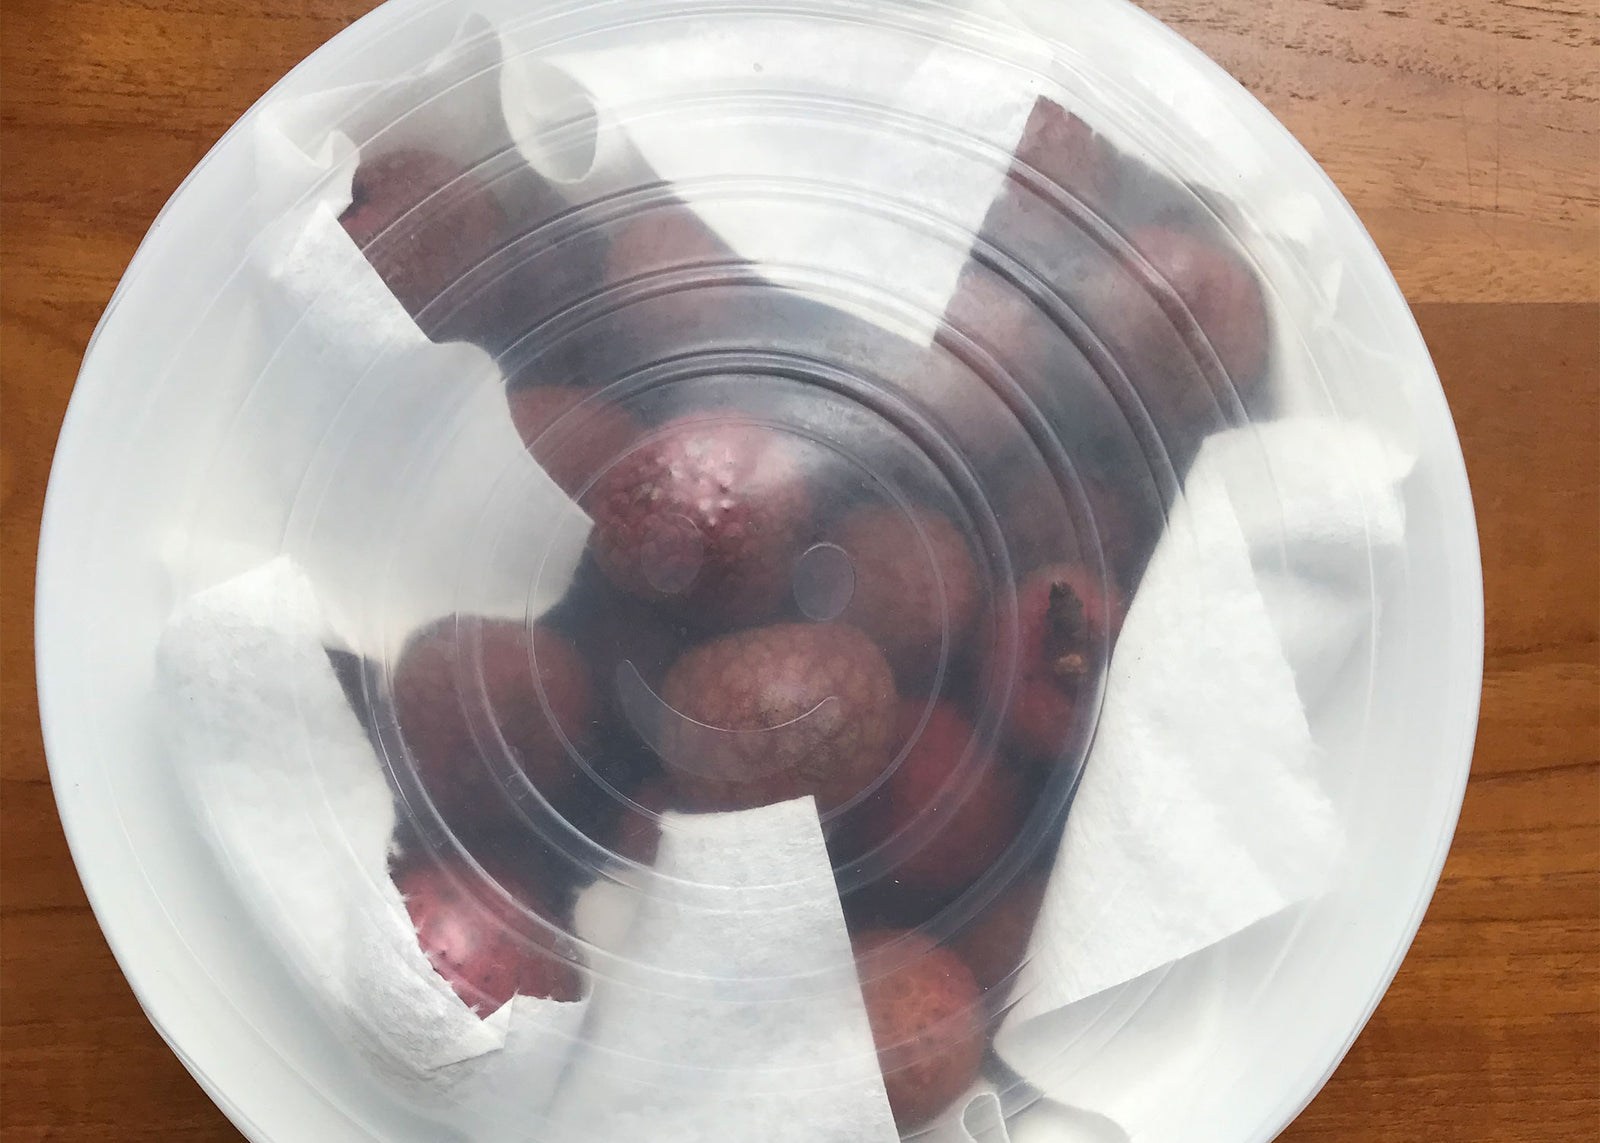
[(1066, 632)]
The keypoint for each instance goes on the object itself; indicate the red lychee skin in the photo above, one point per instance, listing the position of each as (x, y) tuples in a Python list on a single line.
[(1061, 148), (1065, 622), (669, 240), (922, 1004), (708, 514), (482, 946), (1167, 368), (914, 581), (995, 944), (438, 681), (1036, 522), (572, 444), (422, 222), (1039, 527), (1001, 319), (765, 684), (1216, 285), (662, 238), (1221, 292), (944, 778), (968, 409)]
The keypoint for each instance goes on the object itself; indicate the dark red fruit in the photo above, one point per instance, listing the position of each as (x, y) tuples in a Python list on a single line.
[(995, 944), (571, 433), (1131, 307), (1036, 522), (1220, 291), (1065, 623), (774, 713), (947, 784), (922, 1004), (709, 514), (422, 221), (1060, 150), (662, 238), (1006, 323), (1039, 528), (460, 681), (486, 948), (970, 412), (914, 583)]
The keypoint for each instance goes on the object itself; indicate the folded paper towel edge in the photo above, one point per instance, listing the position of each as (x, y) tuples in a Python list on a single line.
[(276, 601), (1385, 466)]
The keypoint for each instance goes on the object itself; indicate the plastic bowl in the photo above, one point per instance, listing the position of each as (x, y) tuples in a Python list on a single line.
[(825, 337)]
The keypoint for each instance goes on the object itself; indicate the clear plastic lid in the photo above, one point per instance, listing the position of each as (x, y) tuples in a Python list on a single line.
[(778, 571)]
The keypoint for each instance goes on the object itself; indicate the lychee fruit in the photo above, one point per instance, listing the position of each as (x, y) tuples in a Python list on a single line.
[(947, 785), (1003, 320), (423, 222), (671, 243), (922, 1004), (486, 948), (665, 237), (968, 409), (1166, 365), (915, 583), (465, 685), (774, 713), (571, 432), (708, 514), (1219, 290), (1062, 149), (1040, 528), (995, 943), (1066, 620)]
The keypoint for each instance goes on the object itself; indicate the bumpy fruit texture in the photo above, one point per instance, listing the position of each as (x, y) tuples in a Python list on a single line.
[(922, 1004), (707, 515), (463, 685), (947, 785), (995, 944), (571, 432), (486, 948), (423, 223), (774, 713), (1066, 620), (915, 583)]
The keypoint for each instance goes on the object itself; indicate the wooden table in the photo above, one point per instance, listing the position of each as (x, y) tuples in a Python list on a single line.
[(1467, 135)]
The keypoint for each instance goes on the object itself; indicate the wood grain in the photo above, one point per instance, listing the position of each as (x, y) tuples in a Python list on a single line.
[(1466, 133)]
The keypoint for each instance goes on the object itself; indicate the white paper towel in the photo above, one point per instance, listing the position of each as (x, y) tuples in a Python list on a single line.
[(730, 1010), (825, 195), (405, 431), (1200, 811), (286, 782)]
